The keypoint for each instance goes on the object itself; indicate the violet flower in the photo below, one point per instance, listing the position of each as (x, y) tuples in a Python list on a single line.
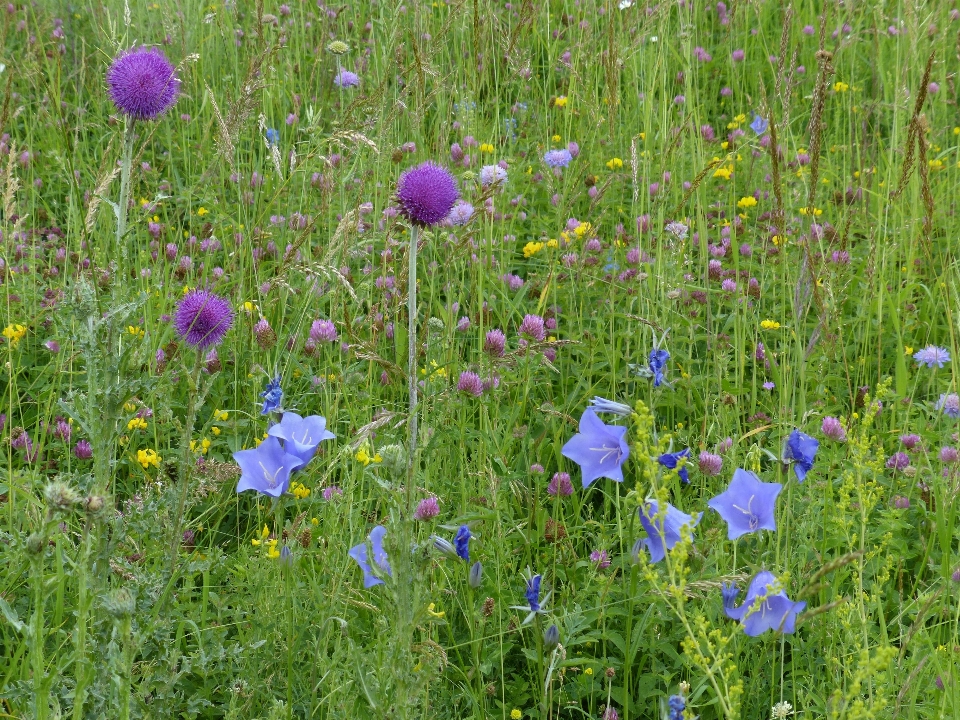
[(766, 607), (266, 468), (747, 504), (371, 576), (599, 449), (301, 436)]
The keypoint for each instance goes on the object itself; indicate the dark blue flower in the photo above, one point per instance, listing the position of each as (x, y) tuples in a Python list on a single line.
[(533, 593), (599, 449), (676, 705), (658, 361), (663, 533), (273, 137), (759, 125), (747, 505), (359, 553), (763, 608), (671, 460), (271, 396), (462, 542), (801, 449)]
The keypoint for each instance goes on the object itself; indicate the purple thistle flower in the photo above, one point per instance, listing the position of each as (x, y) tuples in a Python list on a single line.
[(560, 484), (142, 83), (747, 504), (203, 318), (360, 554), (346, 79), (495, 343), (833, 429), (533, 328), (557, 158), (427, 193), (461, 213), (802, 450), (266, 468), (931, 356), (599, 449), (663, 533), (763, 609), (301, 436), (426, 509), (949, 404), (710, 464), (470, 383)]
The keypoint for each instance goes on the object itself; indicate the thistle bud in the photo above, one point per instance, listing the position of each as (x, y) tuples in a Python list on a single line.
[(59, 496), (93, 504), (120, 604), (394, 459), (35, 544)]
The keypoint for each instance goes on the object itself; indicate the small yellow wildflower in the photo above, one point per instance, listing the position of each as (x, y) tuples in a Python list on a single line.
[(560, 101), (148, 457), (299, 490), (14, 333), (314, 522), (614, 163), (137, 332), (778, 239), (840, 87), (202, 447), (215, 430), (725, 144), (202, 211), (532, 248), (249, 307), (723, 172), (515, 714), (221, 415), (552, 243), (129, 406), (486, 148), (137, 424), (746, 202), (588, 671), (741, 118), (770, 325), (555, 138), (907, 350), (432, 609), (583, 228)]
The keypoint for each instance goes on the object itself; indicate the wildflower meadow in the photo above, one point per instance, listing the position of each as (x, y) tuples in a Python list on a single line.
[(557, 359)]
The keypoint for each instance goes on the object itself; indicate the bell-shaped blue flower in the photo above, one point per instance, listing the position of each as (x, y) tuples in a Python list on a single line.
[(658, 361), (801, 449), (533, 593), (747, 504), (599, 404), (462, 542), (766, 607), (599, 449), (271, 396), (671, 460), (379, 556), (663, 532), (266, 468), (759, 125), (301, 435)]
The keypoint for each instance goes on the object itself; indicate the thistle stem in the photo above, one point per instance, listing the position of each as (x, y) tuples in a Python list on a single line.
[(412, 363), (124, 200)]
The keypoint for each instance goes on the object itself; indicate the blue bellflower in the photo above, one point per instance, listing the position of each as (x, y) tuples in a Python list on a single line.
[(462, 542), (533, 593), (663, 533), (599, 404), (273, 137), (671, 460), (266, 468), (747, 504), (359, 553), (759, 125), (301, 436), (658, 361), (763, 608), (271, 396), (599, 449), (801, 449)]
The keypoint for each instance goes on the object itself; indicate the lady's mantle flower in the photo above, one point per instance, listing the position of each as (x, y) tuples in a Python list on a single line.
[(663, 531), (427, 193), (266, 468), (271, 396), (599, 449), (359, 553), (767, 606), (672, 460), (949, 404), (203, 318), (932, 355), (801, 449), (142, 83), (747, 504), (301, 436)]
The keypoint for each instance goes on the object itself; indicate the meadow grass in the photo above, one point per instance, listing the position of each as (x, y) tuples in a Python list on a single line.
[(767, 192)]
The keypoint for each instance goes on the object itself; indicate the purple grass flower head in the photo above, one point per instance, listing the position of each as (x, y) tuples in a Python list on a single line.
[(427, 509), (557, 158), (759, 125), (949, 405), (932, 356), (346, 79), (272, 396), (266, 468), (371, 574), (801, 449), (832, 428), (203, 318), (462, 542), (142, 83), (427, 193), (663, 533), (766, 607), (560, 484), (747, 504), (301, 435), (600, 405), (599, 449), (672, 460), (533, 328)]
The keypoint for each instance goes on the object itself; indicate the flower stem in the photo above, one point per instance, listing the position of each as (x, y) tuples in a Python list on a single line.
[(40, 684), (124, 201), (412, 364), (185, 465)]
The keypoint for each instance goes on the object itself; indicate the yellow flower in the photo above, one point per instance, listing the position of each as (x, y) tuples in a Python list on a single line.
[(582, 229), (299, 491), (555, 138), (741, 118), (723, 172), (840, 87), (314, 521), (486, 148), (221, 415), (129, 406), (431, 608), (137, 424), (248, 307), (532, 248), (202, 447), (907, 350), (135, 331), (148, 457), (14, 333), (202, 211), (363, 457), (777, 239), (215, 430), (770, 325), (273, 553), (643, 136), (615, 163), (515, 714), (745, 202), (588, 671), (560, 101), (552, 243), (725, 144)]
